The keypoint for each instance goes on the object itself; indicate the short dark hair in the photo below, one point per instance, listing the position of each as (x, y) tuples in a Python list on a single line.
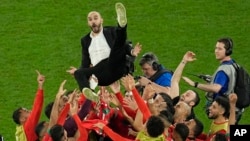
[(57, 132), (167, 115), (196, 99), (16, 115), (48, 109), (224, 103), (39, 128), (182, 130), (168, 100), (220, 137), (155, 126), (198, 129)]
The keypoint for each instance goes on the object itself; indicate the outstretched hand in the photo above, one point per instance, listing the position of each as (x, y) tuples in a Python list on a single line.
[(61, 90), (189, 56), (72, 70), (233, 98), (137, 49), (40, 79), (115, 87), (128, 82), (73, 104), (188, 80)]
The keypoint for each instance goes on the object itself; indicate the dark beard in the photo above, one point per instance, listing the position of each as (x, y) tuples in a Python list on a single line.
[(213, 117), (96, 29)]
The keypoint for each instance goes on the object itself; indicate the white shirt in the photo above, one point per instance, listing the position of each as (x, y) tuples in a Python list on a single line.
[(98, 49)]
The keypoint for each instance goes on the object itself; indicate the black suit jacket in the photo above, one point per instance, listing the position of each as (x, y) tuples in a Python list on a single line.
[(110, 35)]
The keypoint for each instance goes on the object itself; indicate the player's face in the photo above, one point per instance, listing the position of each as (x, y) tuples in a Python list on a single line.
[(215, 110), (188, 97)]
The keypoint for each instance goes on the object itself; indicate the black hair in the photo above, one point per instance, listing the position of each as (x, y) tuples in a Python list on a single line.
[(16, 115), (155, 126), (169, 101), (220, 137), (198, 129), (196, 99), (39, 128), (57, 132), (224, 103), (182, 130), (48, 109), (167, 115)]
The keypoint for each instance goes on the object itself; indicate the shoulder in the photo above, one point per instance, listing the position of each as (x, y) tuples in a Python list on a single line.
[(166, 75), (109, 28), (86, 37), (226, 68), (166, 72)]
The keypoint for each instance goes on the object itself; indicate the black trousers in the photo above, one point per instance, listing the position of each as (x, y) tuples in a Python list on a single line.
[(108, 70)]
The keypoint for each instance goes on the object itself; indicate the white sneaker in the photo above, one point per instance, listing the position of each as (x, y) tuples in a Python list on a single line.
[(89, 94), (121, 14), (93, 82)]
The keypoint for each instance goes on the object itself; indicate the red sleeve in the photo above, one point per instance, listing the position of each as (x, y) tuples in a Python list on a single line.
[(47, 137), (128, 110), (81, 129), (62, 116), (119, 97), (114, 136), (141, 104), (30, 124), (81, 99)]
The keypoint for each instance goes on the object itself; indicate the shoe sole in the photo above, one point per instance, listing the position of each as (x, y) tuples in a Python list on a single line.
[(121, 14), (89, 94)]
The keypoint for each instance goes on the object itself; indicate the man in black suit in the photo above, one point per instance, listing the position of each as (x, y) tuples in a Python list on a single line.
[(104, 50)]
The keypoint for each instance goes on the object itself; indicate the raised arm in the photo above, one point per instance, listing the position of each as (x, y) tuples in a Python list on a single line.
[(113, 135), (115, 87), (55, 109), (175, 90), (129, 84), (232, 102), (37, 104), (215, 88), (73, 113)]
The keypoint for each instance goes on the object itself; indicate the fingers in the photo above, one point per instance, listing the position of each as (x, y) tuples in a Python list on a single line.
[(63, 83), (38, 73)]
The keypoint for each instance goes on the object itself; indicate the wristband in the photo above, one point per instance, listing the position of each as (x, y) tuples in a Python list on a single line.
[(196, 84), (183, 62)]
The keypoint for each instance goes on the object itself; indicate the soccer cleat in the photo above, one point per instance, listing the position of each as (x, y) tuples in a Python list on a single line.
[(89, 94), (121, 14)]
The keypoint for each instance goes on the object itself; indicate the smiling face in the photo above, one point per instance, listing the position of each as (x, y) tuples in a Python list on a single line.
[(215, 110), (24, 114), (95, 21)]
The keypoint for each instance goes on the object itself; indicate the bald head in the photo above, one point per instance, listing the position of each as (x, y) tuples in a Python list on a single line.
[(94, 13), (95, 21)]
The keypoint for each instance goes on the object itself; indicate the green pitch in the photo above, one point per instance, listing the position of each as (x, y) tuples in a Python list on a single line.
[(45, 35)]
